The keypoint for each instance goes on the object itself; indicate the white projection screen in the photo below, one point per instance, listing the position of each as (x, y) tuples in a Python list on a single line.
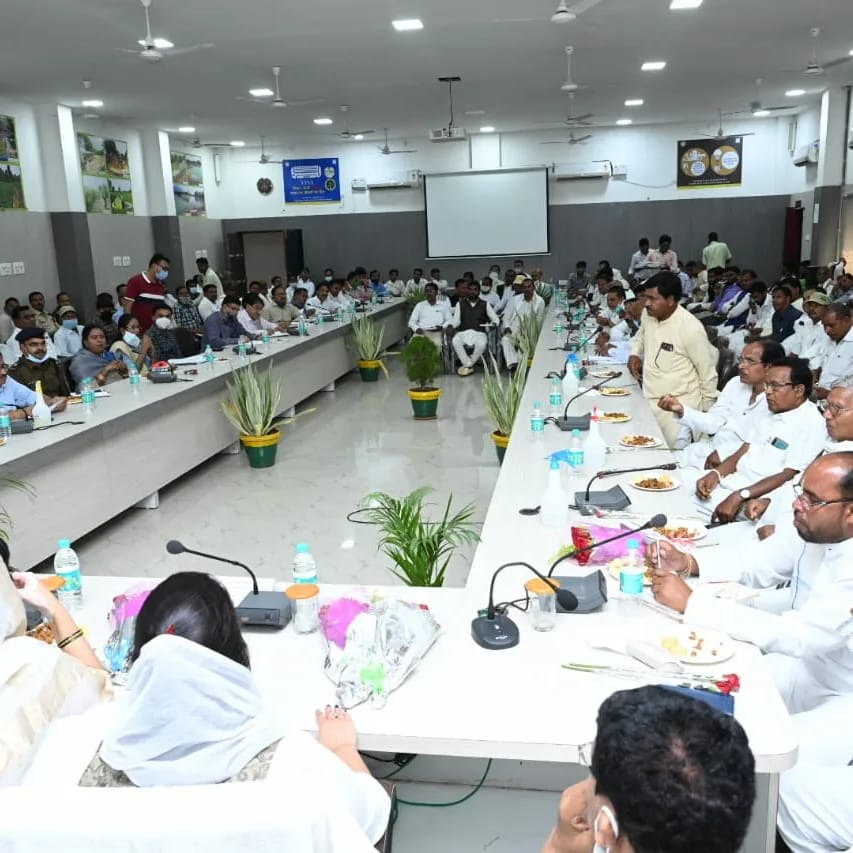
[(487, 214)]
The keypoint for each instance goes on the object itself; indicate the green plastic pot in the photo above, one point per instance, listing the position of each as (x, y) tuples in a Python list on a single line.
[(369, 370), (425, 403), (261, 449)]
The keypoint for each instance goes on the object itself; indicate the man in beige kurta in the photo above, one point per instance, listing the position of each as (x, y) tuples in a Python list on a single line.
[(672, 353)]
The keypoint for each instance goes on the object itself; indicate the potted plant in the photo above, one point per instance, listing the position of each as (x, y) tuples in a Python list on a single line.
[(423, 363), (546, 291), (415, 295), (252, 403), (529, 329), (368, 343), (502, 396), (420, 549)]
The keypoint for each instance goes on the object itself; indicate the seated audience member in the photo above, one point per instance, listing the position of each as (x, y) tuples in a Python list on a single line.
[(120, 289), (733, 418), (704, 297), (601, 284), (732, 304), (836, 360), (36, 366), (209, 302), (186, 315), (340, 295), (437, 280), (797, 289), (784, 314), (42, 319), (223, 329), (803, 627), (664, 258), (192, 714), (128, 348), (531, 303), (395, 285), (323, 302), (639, 268), (104, 312), (488, 294), (67, 339), (688, 276), (430, 317), (616, 341), (359, 290), (471, 315), (376, 284), (669, 774), (843, 291), (304, 280), (22, 317), (613, 309), (62, 299), (759, 320), (300, 303), (16, 398), (580, 281), (94, 362), (281, 312), (251, 316), (328, 275), (416, 282), (160, 342), (7, 326), (809, 340)]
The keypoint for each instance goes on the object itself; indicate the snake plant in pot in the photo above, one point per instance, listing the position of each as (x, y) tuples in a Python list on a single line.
[(421, 549), (251, 406), (423, 363), (368, 343), (502, 396), (529, 329)]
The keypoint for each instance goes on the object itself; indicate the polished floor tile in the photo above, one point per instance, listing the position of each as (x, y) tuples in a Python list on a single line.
[(344, 444)]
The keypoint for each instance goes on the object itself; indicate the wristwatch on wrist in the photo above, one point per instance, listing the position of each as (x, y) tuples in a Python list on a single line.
[(744, 494)]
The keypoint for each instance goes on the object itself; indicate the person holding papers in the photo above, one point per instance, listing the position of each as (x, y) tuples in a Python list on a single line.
[(430, 317)]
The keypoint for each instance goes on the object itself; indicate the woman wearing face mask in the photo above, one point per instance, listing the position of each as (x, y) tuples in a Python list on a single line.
[(67, 339), (128, 348), (160, 342), (93, 361)]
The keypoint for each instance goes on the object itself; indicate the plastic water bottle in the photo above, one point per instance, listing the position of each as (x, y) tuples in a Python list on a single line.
[(320, 319), (304, 567), (67, 566), (303, 328), (209, 358), (133, 377), (537, 422), (265, 337), (5, 424), (576, 455), (570, 380), (242, 350), (555, 397), (87, 394), (631, 580), (595, 448), (554, 506), (340, 315)]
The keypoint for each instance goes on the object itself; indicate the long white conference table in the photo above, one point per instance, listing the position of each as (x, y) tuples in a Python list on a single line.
[(519, 703), (131, 445)]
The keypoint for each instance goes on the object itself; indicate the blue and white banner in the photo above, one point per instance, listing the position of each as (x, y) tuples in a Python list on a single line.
[(312, 181)]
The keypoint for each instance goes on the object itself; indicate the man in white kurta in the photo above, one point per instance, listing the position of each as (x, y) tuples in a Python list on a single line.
[(430, 317), (672, 354), (837, 356), (529, 303)]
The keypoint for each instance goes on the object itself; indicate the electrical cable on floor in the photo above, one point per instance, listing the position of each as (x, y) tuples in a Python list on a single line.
[(400, 766), (452, 802), (358, 520)]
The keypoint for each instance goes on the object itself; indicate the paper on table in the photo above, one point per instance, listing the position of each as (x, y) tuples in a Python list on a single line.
[(642, 650), (190, 359)]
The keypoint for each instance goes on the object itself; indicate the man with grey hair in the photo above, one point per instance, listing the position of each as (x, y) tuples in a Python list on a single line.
[(837, 356)]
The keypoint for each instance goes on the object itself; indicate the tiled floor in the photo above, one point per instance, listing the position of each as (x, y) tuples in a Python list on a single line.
[(357, 439)]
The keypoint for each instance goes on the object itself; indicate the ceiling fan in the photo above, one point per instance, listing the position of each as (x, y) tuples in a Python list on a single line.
[(571, 120), (569, 84), (151, 52), (572, 140), (197, 143), (278, 102), (386, 149), (756, 108), (348, 134), (565, 13), (813, 67), (721, 134)]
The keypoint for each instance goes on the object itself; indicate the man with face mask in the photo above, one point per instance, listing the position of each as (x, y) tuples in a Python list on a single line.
[(328, 275), (186, 315), (42, 318), (35, 365), (222, 329), (160, 342), (470, 316), (146, 290), (68, 340), (488, 294)]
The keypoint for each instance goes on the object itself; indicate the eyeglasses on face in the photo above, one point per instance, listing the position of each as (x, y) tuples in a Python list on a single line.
[(809, 502), (832, 408), (777, 386), (750, 361)]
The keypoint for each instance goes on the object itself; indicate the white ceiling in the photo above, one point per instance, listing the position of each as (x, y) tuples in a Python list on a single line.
[(346, 52)]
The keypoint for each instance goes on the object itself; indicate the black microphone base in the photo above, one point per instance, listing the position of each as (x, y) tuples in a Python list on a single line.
[(494, 634), (590, 591), (266, 610), (568, 424), (613, 498)]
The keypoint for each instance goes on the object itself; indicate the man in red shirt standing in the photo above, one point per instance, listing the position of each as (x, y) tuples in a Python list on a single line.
[(146, 291)]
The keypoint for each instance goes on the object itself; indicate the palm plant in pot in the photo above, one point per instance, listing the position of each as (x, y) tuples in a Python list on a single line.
[(502, 396), (423, 363), (420, 549), (251, 406), (368, 343)]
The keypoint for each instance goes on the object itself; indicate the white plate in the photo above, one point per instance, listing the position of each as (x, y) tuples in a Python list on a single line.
[(614, 392), (655, 442), (697, 529), (674, 483), (605, 420), (683, 643), (603, 374)]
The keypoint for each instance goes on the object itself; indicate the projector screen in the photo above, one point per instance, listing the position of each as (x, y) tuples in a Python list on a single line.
[(487, 214)]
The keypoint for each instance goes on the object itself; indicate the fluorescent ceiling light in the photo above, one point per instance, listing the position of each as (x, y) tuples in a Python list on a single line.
[(634, 102), (795, 93), (475, 112), (761, 113), (263, 92), (186, 129), (407, 24), (323, 121), (236, 143), (487, 129), (358, 137), (94, 103), (656, 65), (623, 122), (685, 4), (851, 52), (159, 43)]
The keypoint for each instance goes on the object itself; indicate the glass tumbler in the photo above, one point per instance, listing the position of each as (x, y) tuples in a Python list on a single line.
[(305, 600), (543, 603)]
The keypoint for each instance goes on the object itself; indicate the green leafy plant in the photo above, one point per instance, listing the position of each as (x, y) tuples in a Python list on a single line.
[(368, 339), (546, 291), (422, 362), (502, 395), (529, 329), (416, 295), (253, 400), (420, 549)]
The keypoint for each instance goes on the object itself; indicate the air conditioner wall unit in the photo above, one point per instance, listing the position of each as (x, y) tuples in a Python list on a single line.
[(403, 181), (581, 171), (448, 134), (807, 155)]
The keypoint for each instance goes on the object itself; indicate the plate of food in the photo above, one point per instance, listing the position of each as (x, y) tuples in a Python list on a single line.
[(614, 417), (683, 530), (696, 645), (663, 483), (603, 374), (640, 441), (614, 392)]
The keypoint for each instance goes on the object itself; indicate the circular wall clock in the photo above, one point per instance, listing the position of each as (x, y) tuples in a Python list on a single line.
[(264, 186)]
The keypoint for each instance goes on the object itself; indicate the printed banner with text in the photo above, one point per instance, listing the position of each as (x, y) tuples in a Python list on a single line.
[(312, 181), (708, 163)]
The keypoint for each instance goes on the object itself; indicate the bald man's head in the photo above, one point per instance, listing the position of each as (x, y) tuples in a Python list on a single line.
[(823, 510)]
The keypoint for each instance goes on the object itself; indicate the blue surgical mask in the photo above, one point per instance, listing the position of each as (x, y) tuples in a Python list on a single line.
[(36, 359), (69, 324), (130, 339), (162, 275)]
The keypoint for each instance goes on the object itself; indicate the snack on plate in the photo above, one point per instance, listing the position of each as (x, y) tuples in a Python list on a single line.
[(614, 392), (683, 533), (43, 632), (639, 440), (655, 483), (614, 416)]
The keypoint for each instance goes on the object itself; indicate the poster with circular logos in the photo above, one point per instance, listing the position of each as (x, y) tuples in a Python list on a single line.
[(725, 160), (709, 163), (694, 162)]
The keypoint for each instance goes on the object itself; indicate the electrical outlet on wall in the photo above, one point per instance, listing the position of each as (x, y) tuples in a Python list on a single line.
[(125, 260), (116, 260), (5, 269), (18, 268)]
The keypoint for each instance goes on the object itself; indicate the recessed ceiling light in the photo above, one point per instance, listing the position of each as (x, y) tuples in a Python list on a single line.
[(656, 65), (487, 129), (323, 121), (263, 92), (94, 103), (623, 122), (634, 102), (795, 93), (851, 52), (236, 143), (160, 44), (685, 4), (358, 137), (407, 24), (186, 129), (761, 113)]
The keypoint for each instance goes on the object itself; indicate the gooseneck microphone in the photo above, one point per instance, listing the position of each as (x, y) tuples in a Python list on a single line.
[(496, 631), (173, 546), (565, 423), (667, 466)]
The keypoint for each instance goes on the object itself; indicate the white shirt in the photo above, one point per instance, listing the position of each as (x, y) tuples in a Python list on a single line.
[(395, 287), (308, 285), (329, 306), (254, 326), (13, 348), (68, 342), (494, 300), (762, 316), (440, 283), (639, 266), (206, 307), (837, 360), (623, 332), (613, 315), (210, 277), (490, 314), (7, 326), (816, 346), (411, 285), (820, 598), (663, 260), (520, 307), (426, 316)]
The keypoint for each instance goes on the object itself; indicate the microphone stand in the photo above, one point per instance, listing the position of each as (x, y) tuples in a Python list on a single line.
[(668, 466), (566, 424), (230, 562)]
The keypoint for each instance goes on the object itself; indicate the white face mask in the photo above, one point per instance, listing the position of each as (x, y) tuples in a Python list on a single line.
[(162, 322), (130, 339), (600, 848), (36, 360)]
